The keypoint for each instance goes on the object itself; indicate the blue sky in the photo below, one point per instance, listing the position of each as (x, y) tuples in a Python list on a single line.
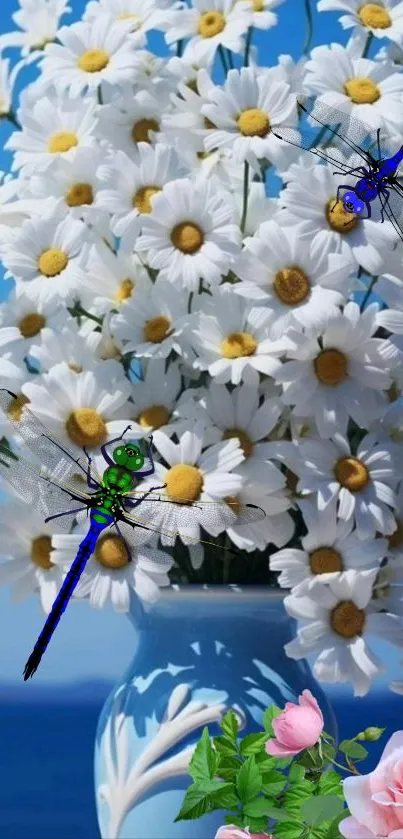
[(89, 643)]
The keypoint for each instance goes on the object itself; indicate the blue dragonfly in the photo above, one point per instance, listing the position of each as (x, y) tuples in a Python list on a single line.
[(56, 478), (376, 179)]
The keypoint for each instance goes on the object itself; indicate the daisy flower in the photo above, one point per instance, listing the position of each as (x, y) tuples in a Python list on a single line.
[(154, 399), (192, 475), (334, 621), (337, 371), (277, 528), (301, 281), (129, 187), (391, 52), (185, 118), (46, 253), (72, 184), (81, 409), (330, 547), (309, 199), (39, 21), (383, 20), (209, 24), (87, 55), (65, 345), (8, 79), (245, 111), (232, 340), (129, 120), (110, 278), (263, 16), (51, 126), (238, 415), (137, 16), (190, 233), (109, 576), (364, 89), (27, 546), (23, 319), (261, 208), (152, 324), (363, 484)]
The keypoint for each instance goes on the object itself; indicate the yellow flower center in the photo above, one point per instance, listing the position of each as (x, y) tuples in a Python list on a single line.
[(157, 329), (258, 5), (30, 325), (325, 561), (238, 345), (75, 368), (16, 406), (124, 290), (208, 124), (347, 620), (244, 441), (62, 141), (79, 194), (291, 286), (331, 367), (52, 262), (211, 23), (338, 218), (130, 16), (141, 130), (41, 548), (184, 483), (111, 553), (142, 198), (153, 417), (253, 122), (362, 91), (85, 427), (351, 473), (396, 539), (374, 16), (393, 393), (93, 61), (187, 237)]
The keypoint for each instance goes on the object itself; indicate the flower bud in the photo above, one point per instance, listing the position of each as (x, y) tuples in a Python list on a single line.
[(371, 734)]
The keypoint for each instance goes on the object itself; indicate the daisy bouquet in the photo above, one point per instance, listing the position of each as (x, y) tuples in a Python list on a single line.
[(156, 283)]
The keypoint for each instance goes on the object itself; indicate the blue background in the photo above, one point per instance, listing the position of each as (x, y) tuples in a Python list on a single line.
[(47, 726)]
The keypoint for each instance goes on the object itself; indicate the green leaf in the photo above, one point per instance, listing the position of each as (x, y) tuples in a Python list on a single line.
[(249, 780), (225, 798), (204, 760), (283, 762), (328, 751), (253, 743), (296, 773), (273, 782), (265, 762), (237, 820), (229, 726), (269, 715), (330, 783), (225, 746), (296, 795), (228, 767), (258, 807), (333, 829), (321, 808), (289, 830), (353, 749), (257, 825), (199, 799), (277, 814)]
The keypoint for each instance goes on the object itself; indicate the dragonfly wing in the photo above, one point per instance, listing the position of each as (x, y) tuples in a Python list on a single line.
[(393, 210), (156, 561), (215, 513), (349, 129), (32, 485), (53, 454)]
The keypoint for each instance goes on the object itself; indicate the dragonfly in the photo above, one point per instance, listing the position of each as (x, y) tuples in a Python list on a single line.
[(56, 479), (376, 179)]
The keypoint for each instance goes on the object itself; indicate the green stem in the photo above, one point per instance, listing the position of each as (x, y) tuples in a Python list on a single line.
[(77, 311), (179, 48), (340, 766), (13, 119), (245, 196), (99, 95), (368, 293), (368, 43), (309, 30), (248, 43), (229, 58), (221, 53)]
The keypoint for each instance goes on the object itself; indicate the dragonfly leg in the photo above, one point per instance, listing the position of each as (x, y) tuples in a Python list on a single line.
[(384, 198), (378, 142), (109, 443), (67, 513), (138, 501), (342, 186), (123, 540), (361, 169), (91, 483)]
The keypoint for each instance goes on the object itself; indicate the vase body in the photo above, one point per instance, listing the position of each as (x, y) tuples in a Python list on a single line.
[(200, 651)]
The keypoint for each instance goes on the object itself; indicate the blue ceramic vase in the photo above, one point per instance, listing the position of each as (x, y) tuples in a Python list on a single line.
[(200, 651)]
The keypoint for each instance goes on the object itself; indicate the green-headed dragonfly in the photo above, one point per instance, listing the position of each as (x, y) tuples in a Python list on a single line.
[(56, 484)]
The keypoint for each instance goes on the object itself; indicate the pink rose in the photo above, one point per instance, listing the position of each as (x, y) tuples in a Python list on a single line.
[(375, 801), (230, 831), (298, 727)]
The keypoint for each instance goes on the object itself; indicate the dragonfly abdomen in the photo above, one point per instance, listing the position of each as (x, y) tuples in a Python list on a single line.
[(86, 548)]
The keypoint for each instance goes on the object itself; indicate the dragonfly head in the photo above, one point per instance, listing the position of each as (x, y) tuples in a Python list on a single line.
[(129, 456), (352, 203)]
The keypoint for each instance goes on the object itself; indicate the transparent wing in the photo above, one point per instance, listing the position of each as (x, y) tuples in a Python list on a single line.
[(393, 210), (213, 512), (35, 487), (351, 132), (54, 455), (156, 561)]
